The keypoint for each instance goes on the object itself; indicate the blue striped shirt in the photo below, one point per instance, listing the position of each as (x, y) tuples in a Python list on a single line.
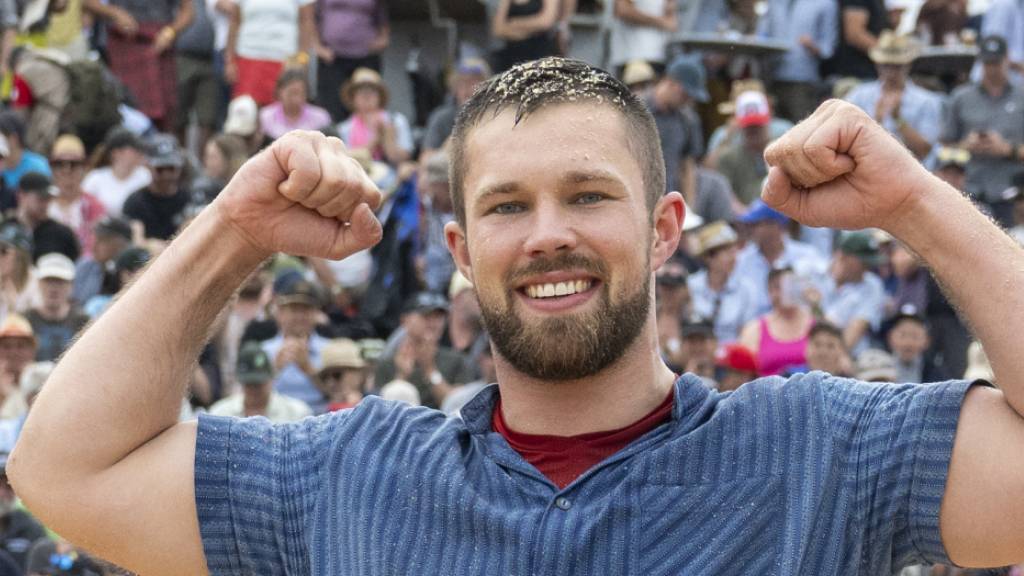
[(812, 475)]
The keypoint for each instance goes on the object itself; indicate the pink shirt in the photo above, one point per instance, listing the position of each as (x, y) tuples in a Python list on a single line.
[(774, 356), (275, 124)]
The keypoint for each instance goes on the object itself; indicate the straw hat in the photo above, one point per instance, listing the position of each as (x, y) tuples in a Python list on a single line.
[(894, 49), (360, 78), (638, 71)]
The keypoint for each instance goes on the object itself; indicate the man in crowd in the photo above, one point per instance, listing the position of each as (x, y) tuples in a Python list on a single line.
[(35, 194), (112, 236), (342, 373), (910, 113), (1005, 18), (435, 261), (908, 340), (652, 456), (729, 300), (17, 350), (296, 348), (861, 23), (17, 160), (55, 321), (671, 102), (255, 373), (73, 206), (852, 297), (468, 74), (742, 161), (987, 119), (826, 351), (810, 28), (160, 207)]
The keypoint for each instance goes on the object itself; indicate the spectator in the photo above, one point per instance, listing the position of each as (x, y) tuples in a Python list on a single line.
[(65, 32), (250, 305), (223, 155), (18, 529), (640, 31), (852, 297), (861, 22), (697, 348), (985, 118), (198, 85), (526, 29), (951, 165), (671, 103), (15, 268), (911, 286), (35, 193), (419, 358), (810, 28), (1005, 19), (401, 391), (718, 294), (121, 171), (639, 77), (17, 160), (352, 35), (112, 236), (778, 339), (725, 135), (742, 162), (127, 265), (255, 373), (673, 303), (940, 21), (342, 374), (385, 134), (770, 247), (296, 348), (73, 206), (243, 121), (40, 92), (465, 333), (910, 113), (908, 340), (262, 36), (160, 207), (461, 395), (140, 44), (17, 350), (468, 74), (875, 365), (435, 259), (55, 321), (292, 110), (826, 351), (737, 365)]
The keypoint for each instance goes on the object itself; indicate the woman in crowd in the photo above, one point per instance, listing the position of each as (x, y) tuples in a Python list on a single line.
[(384, 133), (528, 30), (262, 36), (779, 338), (15, 269), (223, 155), (353, 33), (292, 110), (121, 170)]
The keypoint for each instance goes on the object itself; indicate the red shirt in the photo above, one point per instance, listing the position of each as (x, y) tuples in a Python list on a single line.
[(563, 458)]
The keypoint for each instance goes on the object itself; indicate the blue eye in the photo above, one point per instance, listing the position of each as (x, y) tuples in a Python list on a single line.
[(589, 198), (507, 208)]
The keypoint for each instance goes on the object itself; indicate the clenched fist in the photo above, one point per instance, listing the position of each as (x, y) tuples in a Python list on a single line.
[(840, 169), (304, 196)]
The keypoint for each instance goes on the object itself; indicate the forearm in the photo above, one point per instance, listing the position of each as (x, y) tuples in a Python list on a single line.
[(186, 12), (309, 37), (980, 269), (914, 141), (122, 383), (234, 23), (527, 26)]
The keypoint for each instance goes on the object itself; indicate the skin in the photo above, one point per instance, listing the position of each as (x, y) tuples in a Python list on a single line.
[(215, 165), (908, 340), (165, 180), (293, 98), (103, 456), (32, 208), (55, 296), (826, 352), (68, 173)]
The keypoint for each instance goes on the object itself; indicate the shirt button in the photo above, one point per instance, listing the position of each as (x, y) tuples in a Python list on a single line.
[(563, 503)]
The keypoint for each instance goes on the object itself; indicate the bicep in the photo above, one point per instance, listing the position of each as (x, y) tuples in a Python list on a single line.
[(982, 511), (855, 22)]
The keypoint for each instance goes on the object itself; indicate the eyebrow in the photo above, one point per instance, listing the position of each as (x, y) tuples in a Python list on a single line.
[(570, 178)]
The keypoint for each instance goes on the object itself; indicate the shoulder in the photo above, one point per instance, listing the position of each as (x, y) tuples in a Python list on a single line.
[(963, 92)]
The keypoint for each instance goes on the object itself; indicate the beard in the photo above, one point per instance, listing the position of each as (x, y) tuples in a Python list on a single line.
[(572, 346)]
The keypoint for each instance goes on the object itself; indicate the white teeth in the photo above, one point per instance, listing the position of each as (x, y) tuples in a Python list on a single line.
[(559, 289)]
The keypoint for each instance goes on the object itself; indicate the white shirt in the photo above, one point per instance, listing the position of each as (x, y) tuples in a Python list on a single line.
[(279, 408), (269, 28), (634, 42), (112, 192)]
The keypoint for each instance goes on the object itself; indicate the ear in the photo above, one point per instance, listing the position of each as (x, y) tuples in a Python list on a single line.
[(668, 227), (455, 236)]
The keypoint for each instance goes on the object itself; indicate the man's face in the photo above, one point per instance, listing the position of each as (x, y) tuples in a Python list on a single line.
[(700, 348), (293, 96), (847, 268), (107, 246), (165, 180), (55, 292), (755, 137), (559, 239), (425, 325), (296, 320), (997, 72), (35, 205), (723, 259), (908, 340), (68, 174), (893, 74), (766, 232), (825, 352), (16, 353)]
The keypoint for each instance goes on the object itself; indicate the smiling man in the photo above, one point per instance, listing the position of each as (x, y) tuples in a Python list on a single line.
[(589, 456)]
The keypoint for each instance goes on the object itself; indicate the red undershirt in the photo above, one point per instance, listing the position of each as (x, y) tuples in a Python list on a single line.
[(564, 458)]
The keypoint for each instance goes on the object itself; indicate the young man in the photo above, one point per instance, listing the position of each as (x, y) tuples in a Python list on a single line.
[(561, 235)]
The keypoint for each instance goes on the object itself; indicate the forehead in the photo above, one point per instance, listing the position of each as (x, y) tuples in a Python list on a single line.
[(546, 146)]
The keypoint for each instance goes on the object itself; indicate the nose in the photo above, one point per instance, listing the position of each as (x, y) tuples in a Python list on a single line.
[(550, 231)]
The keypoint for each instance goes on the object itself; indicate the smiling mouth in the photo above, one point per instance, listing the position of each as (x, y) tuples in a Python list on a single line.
[(556, 289)]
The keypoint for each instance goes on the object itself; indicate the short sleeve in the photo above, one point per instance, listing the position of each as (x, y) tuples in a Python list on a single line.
[(895, 442), (256, 485)]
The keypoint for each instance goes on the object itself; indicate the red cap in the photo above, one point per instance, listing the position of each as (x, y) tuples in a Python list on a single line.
[(736, 357), (752, 109)]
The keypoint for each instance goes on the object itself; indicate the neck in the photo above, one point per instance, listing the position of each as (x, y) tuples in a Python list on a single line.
[(994, 86), (788, 312), (256, 402), (717, 279), (55, 310), (291, 113), (122, 171), (614, 398), (772, 250), (69, 196)]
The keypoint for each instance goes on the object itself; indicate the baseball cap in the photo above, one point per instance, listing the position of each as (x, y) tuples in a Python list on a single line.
[(863, 245), (13, 234), (5, 149), (696, 326), (68, 147), (761, 212), (55, 265), (299, 292), (736, 357), (37, 183), (992, 49), (689, 71), (243, 117), (16, 326), (122, 138), (164, 151), (401, 391), (715, 235), (253, 365), (875, 365), (752, 109), (131, 259), (473, 67), (113, 226), (341, 353), (425, 302)]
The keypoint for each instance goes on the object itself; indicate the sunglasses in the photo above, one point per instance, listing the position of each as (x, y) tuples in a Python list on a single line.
[(66, 164), (332, 375)]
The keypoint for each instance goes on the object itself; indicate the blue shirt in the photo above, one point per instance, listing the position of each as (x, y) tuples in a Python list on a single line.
[(921, 109), (788, 20), (805, 260), (729, 309), (30, 162), (811, 475), (864, 300), (291, 380)]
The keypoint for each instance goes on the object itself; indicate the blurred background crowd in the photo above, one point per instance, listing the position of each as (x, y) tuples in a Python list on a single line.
[(122, 119)]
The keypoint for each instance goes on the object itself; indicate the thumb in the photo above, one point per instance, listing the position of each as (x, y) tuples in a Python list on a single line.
[(362, 232)]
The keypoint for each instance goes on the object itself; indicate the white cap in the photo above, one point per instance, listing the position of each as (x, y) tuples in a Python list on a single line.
[(5, 150), (243, 117), (55, 265), (33, 377), (401, 391)]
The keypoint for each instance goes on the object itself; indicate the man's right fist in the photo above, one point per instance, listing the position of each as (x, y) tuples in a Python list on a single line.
[(304, 196)]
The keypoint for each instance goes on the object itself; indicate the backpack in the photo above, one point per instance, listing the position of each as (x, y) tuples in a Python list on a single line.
[(92, 101)]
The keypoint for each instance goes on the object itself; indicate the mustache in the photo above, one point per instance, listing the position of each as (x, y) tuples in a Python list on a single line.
[(565, 261)]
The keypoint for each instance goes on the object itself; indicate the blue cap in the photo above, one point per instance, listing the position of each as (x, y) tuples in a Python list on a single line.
[(759, 212), (689, 71)]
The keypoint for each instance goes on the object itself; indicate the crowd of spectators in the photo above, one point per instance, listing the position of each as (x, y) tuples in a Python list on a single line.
[(123, 119)]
